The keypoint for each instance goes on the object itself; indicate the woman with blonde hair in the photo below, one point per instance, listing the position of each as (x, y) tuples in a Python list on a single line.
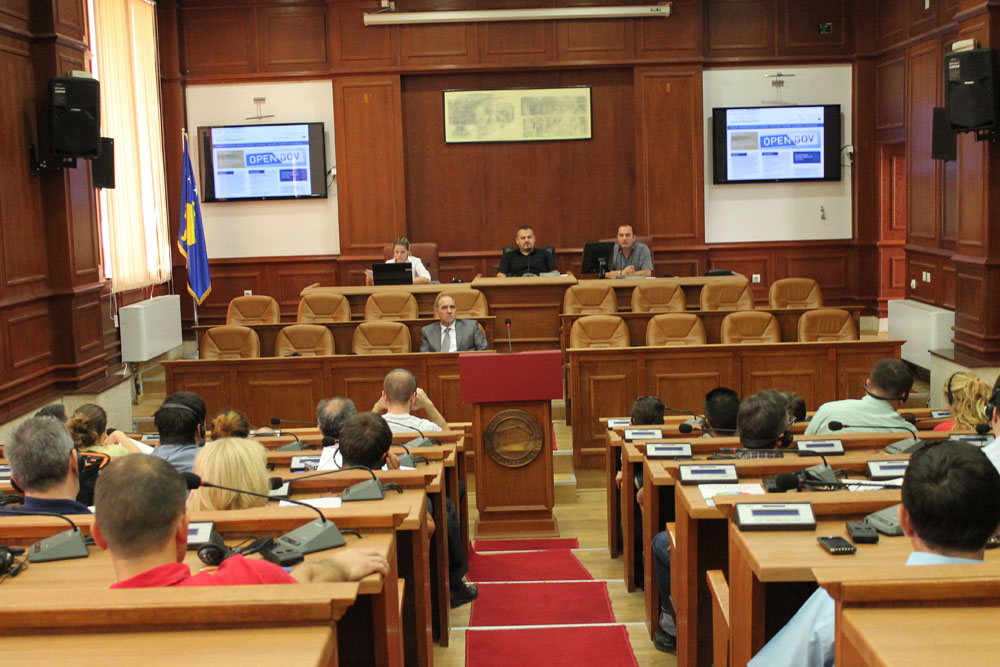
[(967, 396), (88, 427), (234, 462), (230, 424)]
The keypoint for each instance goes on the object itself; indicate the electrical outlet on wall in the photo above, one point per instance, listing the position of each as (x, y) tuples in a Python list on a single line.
[(248, 292), (913, 283), (755, 277)]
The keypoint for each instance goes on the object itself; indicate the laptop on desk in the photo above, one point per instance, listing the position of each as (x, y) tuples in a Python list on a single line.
[(392, 274)]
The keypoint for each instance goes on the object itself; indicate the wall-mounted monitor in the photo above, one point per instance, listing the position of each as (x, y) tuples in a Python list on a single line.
[(254, 162), (776, 144)]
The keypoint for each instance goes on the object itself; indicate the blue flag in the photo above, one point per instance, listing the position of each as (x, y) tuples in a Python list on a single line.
[(191, 239)]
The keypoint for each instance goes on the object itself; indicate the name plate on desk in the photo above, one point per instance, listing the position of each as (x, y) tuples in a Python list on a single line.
[(879, 470), (708, 473), (4, 473), (940, 414), (668, 450), (775, 516), (303, 463), (820, 446), (199, 533), (972, 438), (282, 491), (642, 434), (618, 422)]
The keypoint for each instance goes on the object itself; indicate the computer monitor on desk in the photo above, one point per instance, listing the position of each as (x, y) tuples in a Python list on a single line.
[(392, 274), (597, 257)]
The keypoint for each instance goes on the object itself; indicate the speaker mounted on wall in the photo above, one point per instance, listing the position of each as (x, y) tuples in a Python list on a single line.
[(102, 169), (971, 91), (74, 117)]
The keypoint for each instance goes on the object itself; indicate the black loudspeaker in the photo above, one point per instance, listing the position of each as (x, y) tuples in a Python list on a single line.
[(944, 142), (102, 169), (970, 89), (75, 117)]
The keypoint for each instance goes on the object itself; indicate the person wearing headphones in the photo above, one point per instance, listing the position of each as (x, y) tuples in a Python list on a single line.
[(992, 450), (180, 422), (886, 390), (966, 395)]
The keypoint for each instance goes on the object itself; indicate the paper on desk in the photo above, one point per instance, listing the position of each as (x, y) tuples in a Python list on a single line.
[(709, 491), (143, 447), (868, 485), (329, 502)]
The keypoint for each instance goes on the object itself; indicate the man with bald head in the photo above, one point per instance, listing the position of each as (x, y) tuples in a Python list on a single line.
[(400, 394)]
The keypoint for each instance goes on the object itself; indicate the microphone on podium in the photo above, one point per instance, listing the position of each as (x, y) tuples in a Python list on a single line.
[(289, 549), (510, 346)]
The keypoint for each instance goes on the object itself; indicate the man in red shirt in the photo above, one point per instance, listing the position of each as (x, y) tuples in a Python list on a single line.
[(141, 519)]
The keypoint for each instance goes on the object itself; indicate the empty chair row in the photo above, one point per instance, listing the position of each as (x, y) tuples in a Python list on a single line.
[(234, 341), (741, 327), (326, 307), (593, 298)]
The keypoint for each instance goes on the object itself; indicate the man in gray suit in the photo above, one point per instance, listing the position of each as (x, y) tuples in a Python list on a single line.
[(451, 334)]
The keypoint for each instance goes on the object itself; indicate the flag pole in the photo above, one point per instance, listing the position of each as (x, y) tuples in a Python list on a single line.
[(194, 302)]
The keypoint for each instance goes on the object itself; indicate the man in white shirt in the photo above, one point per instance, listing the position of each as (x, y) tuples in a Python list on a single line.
[(451, 334), (401, 255), (951, 507), (400, 394), (886, 390)]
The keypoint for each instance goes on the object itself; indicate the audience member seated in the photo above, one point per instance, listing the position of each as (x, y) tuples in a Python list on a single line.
[(45, 467), (796, 407), (967, 396), (451, 334), (401, 255), (629, 257), (331, 413), (526, 259), (400, 394), (230, 424), (886, 390), (646, 411), (364, 441), (951, 507), (181, 424), (57, 410), (722, 407), (141, 519), (88, 427), (762, 421), (234, 462)]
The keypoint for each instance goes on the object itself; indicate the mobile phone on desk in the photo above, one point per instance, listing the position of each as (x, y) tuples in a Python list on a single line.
[(837, 545)]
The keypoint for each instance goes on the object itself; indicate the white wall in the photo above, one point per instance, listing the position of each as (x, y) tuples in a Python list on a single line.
[(267, 228), (771, 211)]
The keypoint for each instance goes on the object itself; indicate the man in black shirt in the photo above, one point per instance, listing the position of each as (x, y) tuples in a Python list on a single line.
[(527, 259)]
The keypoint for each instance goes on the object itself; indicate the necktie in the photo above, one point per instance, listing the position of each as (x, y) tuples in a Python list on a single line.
[(446, 340)]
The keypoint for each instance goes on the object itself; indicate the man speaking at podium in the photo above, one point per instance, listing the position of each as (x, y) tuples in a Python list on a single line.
[(451, 334), (526, 260)]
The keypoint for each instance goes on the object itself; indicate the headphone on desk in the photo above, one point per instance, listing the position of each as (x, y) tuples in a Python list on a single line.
[(215, 550)]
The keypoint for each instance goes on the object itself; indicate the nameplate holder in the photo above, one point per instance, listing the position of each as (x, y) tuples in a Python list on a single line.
[(774, 516), (708, 473), (668, 450)]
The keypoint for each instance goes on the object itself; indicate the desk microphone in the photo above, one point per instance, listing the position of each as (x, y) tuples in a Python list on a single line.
[(61, 546), (296, 446), (290, 548), (836, 426), (370, 489), (788, 481), (510, 346), (422, 441)]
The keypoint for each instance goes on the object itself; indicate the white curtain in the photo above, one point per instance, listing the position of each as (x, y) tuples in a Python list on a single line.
[(136, 209)]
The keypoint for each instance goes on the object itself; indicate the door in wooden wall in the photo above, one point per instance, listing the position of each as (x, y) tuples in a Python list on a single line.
[(892, 224)]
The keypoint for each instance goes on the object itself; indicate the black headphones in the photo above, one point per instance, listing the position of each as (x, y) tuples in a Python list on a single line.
[(215, 550), (904, 397), (992, 404), (947, 391), (781, 440), (8, 556)]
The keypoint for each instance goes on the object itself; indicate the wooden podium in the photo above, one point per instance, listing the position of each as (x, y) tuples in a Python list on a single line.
[(511, 395)]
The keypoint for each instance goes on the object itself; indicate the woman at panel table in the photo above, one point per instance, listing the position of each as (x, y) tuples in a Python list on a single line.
[(234, 462), (967, 396), (401, 255)]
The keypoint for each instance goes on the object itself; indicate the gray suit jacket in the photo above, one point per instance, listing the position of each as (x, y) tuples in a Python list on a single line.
[(467, 333)]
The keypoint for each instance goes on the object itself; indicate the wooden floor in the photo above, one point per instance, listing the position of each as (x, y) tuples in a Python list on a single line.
[(585, 520)]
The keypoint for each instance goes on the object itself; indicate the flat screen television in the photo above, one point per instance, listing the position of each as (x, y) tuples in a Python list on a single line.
[(255, 162), (776, 144)]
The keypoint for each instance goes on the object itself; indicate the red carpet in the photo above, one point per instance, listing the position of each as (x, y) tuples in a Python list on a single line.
[(560, 565), (605, 645), (542, 604), (526, 545)]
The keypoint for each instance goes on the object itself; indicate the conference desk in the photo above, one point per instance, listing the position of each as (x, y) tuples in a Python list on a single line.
[(700, 543), (788, 321), (927, 615), (52, 600), (607, 381), (343, 333)]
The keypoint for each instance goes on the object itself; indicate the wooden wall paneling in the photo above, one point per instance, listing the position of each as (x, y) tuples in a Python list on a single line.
[(853, 366), (948, 9), (739, 27), (923, 16), (14, 15), (748, 261), (680, 263), (670, 191), (678, 36), (274, 392), (798, 29), (523, 42), (369, 145), (27, 330), (290, 278), (465, 268), (891, 23), (597, 40), (890, 92), (864, 174), (974, 169), (218, 41), (294, 39), (357, 46), (833, 267), (949, 203), (923, 83), (811, 375), (71, 19), (217, 384), (917, 264), (451, 44), (948, 280), (86, 320), (682, 381), (228, 282), (605, 387)]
